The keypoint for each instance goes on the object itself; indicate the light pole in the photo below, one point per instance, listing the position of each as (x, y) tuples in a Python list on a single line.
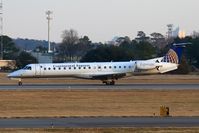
[(48, 13)]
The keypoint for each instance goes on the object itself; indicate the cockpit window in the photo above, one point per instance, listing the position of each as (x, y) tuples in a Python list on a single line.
[(27, 68)]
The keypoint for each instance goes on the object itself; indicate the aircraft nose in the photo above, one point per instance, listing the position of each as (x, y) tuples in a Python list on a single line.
[(14, 74)]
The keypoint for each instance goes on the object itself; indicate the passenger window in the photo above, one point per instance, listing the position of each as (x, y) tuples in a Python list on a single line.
[(74, 67), (54, 68), (59, 68), (115, 67), (44, 68), (110, 67), (79, 67), (84, 67), (89, 67), (120, 67), (124, 66), (104, 67), (48, 68), (64, 68), (69, 67)]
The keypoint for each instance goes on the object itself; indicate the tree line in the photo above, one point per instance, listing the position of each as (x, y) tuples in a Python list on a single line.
[(142, 47), (74, 48), (12, 52)]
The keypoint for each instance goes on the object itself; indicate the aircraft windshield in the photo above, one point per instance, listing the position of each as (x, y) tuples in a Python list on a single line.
[(27, 68)]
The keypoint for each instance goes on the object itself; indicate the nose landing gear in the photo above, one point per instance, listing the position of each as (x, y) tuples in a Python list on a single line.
[(20, 82)]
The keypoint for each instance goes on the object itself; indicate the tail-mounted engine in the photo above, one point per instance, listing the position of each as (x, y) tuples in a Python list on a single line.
[(143, 65)]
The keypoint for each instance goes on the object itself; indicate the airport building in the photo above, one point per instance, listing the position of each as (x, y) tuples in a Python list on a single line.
[(43, 57)]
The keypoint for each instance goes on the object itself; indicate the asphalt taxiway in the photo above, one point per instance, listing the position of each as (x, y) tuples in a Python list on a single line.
[(139, 86), (94, 122), (88, 122)]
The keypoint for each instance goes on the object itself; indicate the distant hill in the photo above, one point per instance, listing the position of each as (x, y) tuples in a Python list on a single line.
[(31, 44)]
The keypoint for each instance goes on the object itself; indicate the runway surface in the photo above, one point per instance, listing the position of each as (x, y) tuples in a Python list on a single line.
[(101, 86), (94, 122)]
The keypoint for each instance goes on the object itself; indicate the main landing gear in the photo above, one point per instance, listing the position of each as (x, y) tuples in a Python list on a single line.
[(112, 82), (19, 81)]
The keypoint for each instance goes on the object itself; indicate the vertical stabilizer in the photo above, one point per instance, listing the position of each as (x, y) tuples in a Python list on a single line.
[(174, 55)]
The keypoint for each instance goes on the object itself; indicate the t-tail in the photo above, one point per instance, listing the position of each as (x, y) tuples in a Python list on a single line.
[(172, 59), (174, 55)]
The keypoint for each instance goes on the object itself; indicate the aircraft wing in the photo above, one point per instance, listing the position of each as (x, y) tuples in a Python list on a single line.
[(109, 76)]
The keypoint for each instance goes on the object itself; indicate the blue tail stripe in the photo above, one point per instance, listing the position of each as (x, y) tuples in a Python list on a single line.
[(178, 50)]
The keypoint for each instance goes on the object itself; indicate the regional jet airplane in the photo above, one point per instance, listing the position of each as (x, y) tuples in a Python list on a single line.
[(107, 72)]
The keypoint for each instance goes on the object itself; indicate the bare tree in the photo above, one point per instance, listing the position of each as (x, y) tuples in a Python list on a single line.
[(67, 47), (141, 34), (158, 40), (156, 35)]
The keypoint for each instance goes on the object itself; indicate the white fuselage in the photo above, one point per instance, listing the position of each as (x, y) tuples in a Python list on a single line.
[(101, 70), (107, 72)]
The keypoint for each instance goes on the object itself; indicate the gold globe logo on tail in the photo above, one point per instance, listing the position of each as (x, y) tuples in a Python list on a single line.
[(171, 57)]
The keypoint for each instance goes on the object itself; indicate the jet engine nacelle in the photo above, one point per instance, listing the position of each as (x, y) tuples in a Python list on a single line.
[(148, 65)]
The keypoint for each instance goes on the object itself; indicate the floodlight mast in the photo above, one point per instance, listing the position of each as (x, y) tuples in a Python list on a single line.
[(48, 13)]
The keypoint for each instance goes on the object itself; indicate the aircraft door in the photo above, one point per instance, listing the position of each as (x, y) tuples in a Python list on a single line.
[(134, 67), (37, 70)]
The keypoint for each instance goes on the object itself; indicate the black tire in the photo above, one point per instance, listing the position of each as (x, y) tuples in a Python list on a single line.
[(109, 83), (20, 83), (112, 83)]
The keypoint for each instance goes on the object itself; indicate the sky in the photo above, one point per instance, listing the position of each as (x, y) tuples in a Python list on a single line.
[(100, 20)]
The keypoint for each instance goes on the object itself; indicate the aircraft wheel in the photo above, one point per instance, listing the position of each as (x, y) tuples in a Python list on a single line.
[(110, 82), (20, 83)]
